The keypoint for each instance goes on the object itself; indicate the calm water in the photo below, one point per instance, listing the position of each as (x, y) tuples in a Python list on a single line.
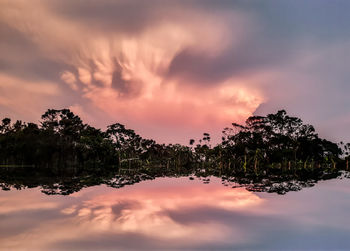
[(177, 213)]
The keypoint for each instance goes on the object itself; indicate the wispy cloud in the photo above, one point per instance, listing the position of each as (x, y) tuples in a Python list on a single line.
[(173, 69)]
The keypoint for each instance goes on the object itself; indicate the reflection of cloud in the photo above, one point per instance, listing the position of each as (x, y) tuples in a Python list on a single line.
[(146, 213), (136, 211), (175, 213), (29, 200)]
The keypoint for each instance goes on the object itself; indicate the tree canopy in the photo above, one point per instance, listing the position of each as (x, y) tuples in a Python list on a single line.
[(62, 139)]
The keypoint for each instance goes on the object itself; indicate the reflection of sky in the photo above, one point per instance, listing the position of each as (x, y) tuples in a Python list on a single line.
[(176, 213)]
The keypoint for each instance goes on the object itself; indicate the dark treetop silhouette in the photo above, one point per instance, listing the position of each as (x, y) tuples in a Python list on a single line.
[(275, 153)]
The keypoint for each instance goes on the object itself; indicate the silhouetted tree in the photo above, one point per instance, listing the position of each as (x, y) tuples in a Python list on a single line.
[(264, 144)]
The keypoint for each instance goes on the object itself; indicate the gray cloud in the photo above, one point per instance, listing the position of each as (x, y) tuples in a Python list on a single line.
[(302, 47), (249, 57)]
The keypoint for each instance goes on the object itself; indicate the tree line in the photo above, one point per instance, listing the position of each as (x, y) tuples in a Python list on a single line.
[(276, 143)]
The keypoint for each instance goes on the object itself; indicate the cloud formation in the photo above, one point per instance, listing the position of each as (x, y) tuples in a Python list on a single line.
[(171, 70)]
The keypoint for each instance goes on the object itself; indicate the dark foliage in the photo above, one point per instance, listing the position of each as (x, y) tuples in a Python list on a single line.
[(273, 147)]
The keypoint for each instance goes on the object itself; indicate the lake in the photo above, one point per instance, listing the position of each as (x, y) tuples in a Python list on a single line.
[(177, 213)]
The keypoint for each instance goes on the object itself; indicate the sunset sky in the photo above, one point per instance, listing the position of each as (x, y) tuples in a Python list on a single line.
[(172, 70)]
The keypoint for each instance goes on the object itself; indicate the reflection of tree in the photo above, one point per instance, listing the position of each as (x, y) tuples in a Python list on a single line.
[(69, 180), (276, 147)]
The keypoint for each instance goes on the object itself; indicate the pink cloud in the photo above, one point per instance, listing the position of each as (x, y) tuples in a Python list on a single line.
[(124, 75)]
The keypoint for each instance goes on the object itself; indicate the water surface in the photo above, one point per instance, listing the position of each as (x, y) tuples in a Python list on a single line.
[(176, 213)]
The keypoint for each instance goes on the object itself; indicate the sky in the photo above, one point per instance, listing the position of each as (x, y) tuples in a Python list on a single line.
[(177, 214), (172, 70)]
